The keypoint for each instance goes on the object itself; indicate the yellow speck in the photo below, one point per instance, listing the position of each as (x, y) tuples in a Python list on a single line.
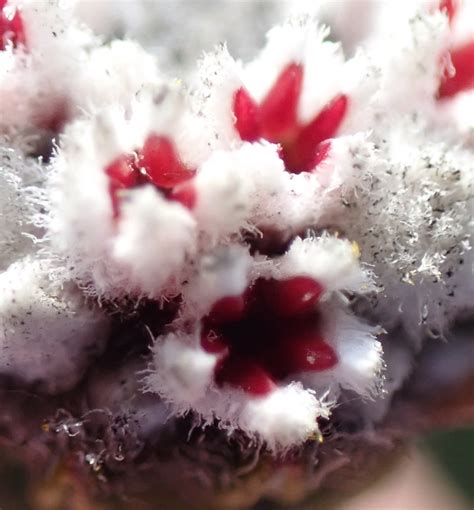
[(355, 249), (316, 436), (45, 427)]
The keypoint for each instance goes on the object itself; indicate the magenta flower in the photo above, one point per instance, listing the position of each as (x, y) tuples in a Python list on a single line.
[(275, 119), (157, 163), (267, 334)]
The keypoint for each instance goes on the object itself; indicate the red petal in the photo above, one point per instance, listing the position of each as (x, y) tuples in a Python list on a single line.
[(450, 7), (161, 163), (227, 309), (299, 349), (246, 374), (123, 171), (278, 111), (294, 296), (185, 194), (297, 161), (122, 175), (246, 116), (463, 62), (11, 29), (301, 155)]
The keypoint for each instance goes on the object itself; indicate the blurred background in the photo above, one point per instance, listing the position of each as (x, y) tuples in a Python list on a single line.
[(436, 474)]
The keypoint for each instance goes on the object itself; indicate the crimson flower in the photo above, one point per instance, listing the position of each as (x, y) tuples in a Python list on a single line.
[(156, 163), (266, 334), (302, 146)]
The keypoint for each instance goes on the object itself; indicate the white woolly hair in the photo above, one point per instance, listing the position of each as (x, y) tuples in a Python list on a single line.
[(47, 332), (341, 169), (153, 239), (300, 40), (360, 362), (113, 74), (218, 78), (411, 57), (66, 70), (248, 188), (306, 200), (229, 270), (80, 220), (139, 252), (430, 308), (181, 370), (182, 374), (332, 261), (285, 418), (462, 29), (223, 194), (34, 80), (222, 273), (423, 223), (20, 178), (456, 115), (241, 189)]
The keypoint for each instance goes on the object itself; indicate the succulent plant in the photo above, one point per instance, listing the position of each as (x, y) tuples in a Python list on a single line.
[(243, 281)]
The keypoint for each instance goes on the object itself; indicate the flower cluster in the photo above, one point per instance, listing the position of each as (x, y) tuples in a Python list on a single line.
[(268, 202)]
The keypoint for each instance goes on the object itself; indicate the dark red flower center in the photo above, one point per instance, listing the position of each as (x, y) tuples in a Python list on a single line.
[(267, 334), (157, 163), (303, 146), (11, 27)]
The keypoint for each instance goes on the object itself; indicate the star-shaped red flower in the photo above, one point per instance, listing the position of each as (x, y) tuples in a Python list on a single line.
[(266, 334), (157, 163), (275, 119)]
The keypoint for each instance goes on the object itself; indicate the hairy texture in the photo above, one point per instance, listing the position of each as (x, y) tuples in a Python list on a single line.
[(19, 179), (251, 280), (48, 335)]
